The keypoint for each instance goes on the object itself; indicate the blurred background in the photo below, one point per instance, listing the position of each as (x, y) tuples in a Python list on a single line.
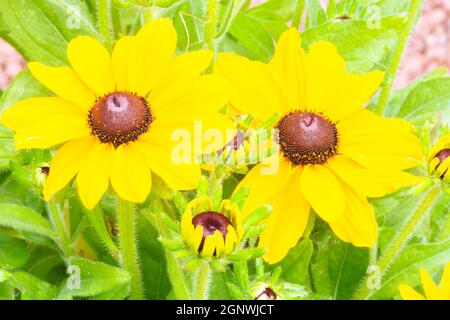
[(429, 47)]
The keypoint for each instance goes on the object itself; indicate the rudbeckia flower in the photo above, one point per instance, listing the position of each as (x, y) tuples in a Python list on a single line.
[(333, 152), (113, 115), (208, 232), (431, 290), (439, 159)]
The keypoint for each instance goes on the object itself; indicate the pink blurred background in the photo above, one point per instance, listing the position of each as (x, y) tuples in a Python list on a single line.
[(429, 47)]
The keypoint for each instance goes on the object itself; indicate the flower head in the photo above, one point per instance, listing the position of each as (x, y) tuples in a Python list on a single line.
[(113, 115), (333, 152), (208, 232), (431, 290), (439, 159)]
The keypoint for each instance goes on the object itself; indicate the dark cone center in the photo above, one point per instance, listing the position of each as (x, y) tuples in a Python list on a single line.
[(211, 222), (442, 156), (267, 294), (307, 138), (120, 117)]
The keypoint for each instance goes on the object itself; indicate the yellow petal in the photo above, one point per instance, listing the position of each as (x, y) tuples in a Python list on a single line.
[(45, 122), (254, 90), (220, 244), (353, 92), (92, 63), (230, 240), (203, 94), (93, 178), (185, 68), (287, 222), (199, 132), (288, 66), (429, 287), (323, 191), (372, 183), (378, 143), (178, 176), (187, 229), (67, 163), (264, 181), (121, 61), (197, 237), (409, 293), (65, 83), (152, 56), (130, 176), (358, 224), (324, 71), (209, 246)]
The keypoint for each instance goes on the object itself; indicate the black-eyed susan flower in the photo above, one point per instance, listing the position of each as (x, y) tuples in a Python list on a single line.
[(208, 232), (431, 290), (114, 115), (333, 153), (439, 159)]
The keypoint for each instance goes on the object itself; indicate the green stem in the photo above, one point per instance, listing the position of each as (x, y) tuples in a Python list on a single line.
[(211, 24), (396, 246), (179, 286), (97, 222), (298, 14), (201, 281), (105, 20), (397, 54), (56, 216), (126, 216)]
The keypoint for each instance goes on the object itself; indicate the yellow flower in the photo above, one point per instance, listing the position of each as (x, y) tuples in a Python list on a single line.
[(439, 159), (431, 290), (209, 232), (334, 154), (113, 115)]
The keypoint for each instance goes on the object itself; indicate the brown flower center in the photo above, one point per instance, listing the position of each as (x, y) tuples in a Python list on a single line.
[(211, 222), (120, 117), (442, 156), (267, 294), (307, 138)]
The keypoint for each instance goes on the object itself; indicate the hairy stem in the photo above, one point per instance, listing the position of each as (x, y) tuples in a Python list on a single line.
[(211, 24), (201, 281), (126, 217), (177, 279), (399, 241), (297, 19), (58, 221), (397, 54), (105, 20)]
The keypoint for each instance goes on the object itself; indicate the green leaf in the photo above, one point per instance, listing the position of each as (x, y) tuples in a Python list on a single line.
[(31, 287), (253, 32), (405, 270), (6, 291), (315, 12), (13, 252), (189, 21), (22, 87), (24, 219), (295, 265), (363, 48), (399, 97), (257, 216), (94, 278), (337, 269), (41, 29), (153, 261), (426, 100), (8, 151)]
